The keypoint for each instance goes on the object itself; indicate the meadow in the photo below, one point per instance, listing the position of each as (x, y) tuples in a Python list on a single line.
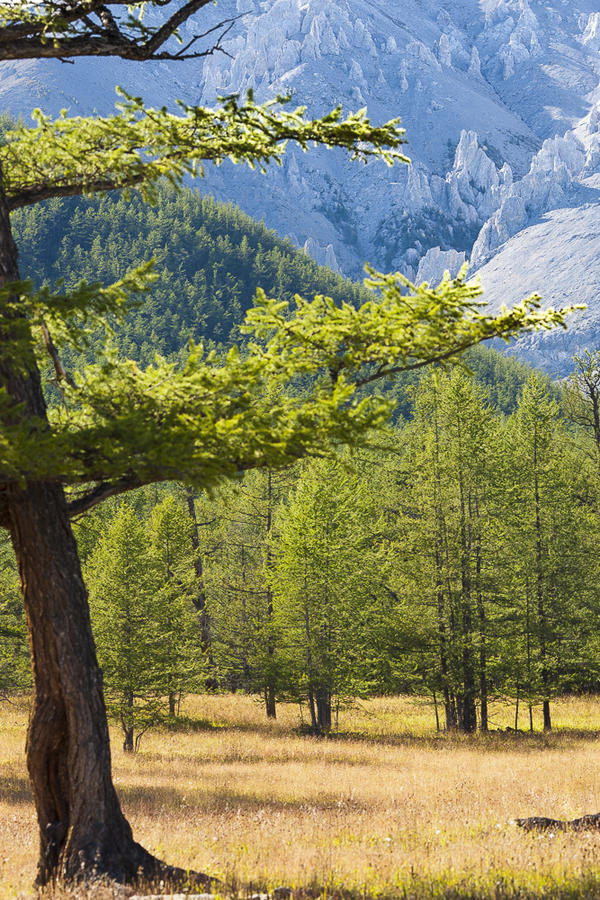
[(385, 808)]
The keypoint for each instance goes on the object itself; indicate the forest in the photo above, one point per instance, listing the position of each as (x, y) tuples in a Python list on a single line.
[(452, 555)]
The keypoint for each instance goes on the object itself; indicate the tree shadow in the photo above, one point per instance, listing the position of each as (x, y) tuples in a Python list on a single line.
[(495, 740), (15, 790), (155, 800)]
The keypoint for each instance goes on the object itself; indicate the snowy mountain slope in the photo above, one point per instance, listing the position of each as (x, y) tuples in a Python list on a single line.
[(500, 99), (559, 256)]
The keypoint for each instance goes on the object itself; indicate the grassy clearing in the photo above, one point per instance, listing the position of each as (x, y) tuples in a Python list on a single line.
[(386, 808)]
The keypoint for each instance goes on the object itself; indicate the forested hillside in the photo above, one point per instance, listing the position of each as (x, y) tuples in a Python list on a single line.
[(210, 258)]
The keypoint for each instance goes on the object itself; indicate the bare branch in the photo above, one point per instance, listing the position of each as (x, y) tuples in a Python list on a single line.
[(49, 191), (60, 371), (93, 497), (77, 34)]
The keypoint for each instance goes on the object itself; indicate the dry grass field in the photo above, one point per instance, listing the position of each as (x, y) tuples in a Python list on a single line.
[(386, 808)]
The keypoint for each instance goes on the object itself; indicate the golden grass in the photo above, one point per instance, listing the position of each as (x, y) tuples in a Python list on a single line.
[(387, 807)]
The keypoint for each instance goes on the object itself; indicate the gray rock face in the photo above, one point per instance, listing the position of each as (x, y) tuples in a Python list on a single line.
[(501, 102)]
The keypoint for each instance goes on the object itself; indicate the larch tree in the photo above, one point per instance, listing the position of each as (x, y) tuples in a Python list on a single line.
[(129, 618), (240, 596), (539, 507), (451, 448), (120, 426), (324, 578), (175, 618)]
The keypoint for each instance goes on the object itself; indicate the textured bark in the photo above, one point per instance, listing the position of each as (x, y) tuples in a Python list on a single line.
[(270, 703), (82, 830), (323, 699)]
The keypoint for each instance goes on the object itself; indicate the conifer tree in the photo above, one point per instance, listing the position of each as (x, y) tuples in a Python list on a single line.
[(128, 618), (240, 593), (324, 576), (541, 524), (181, 661), (452, 457)]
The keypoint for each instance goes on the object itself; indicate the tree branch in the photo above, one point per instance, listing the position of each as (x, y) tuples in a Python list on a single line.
[(49, 191), (88, 500), (59, 370), (30, 40)]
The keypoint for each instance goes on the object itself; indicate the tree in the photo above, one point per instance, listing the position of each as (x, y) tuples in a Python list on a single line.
[(452, 449), (543, 525), (241, 596), (121, 427), (581, 398), (324, 584), (178, 627), (127, 614)]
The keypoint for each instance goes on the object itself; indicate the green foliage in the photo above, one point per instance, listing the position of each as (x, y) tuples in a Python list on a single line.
[(138, 146), (210, 259), (205, 420), (143, 621), (238, 580), (325, 576), (294, 390)]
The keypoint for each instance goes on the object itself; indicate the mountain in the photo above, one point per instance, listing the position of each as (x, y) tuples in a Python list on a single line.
[(501, 102)]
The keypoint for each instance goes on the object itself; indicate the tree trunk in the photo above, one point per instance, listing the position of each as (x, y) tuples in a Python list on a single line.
[(270, 705), (547, 718), (323, 698), (82, 830), (483, 680), (449, 704), (313, 714), (199, 598), (128, 738), (543, 623)]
